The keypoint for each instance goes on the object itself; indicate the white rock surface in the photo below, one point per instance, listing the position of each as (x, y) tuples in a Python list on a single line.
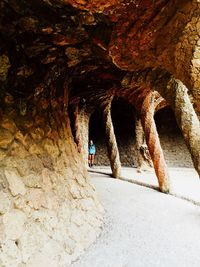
[(4, 203), (16, 185), (13, 224), (10, 254)]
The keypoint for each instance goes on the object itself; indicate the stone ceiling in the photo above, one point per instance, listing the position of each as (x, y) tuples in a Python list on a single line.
[(93, 44)]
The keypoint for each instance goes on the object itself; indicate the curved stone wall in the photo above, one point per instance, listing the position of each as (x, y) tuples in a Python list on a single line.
[(48, 210)]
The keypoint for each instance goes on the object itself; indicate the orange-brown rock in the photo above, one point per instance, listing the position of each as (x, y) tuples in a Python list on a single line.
[(52, 52)]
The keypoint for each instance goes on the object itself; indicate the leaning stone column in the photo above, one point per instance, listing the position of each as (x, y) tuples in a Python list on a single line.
[(144, 159), (84, 133), (111, 143), (176, 94), (153, 143), (80, 123), (81, 128), (77, 126)]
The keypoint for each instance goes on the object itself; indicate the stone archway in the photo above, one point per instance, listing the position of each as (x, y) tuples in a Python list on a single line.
[(97, 134), (124, 128)]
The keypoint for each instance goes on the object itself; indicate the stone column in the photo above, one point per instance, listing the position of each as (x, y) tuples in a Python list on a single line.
[(111, 142), (81, 131), (84, 131), (176, 94), (77, 126), (153, 142), (144, 159)]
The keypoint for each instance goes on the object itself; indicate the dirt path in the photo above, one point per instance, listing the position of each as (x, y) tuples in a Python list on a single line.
[(143, 228)]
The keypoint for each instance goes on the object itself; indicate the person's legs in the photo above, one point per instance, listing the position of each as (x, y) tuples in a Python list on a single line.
[(92, 159), (89, 160)]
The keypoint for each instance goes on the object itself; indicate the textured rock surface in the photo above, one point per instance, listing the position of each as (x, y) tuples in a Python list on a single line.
[(175, 150), (48, 210), (50, 53)]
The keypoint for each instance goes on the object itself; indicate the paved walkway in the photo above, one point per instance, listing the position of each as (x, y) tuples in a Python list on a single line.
[(184, 182), (144, 228)]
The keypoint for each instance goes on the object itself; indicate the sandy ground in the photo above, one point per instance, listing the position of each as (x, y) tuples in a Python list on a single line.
[(145, 228)]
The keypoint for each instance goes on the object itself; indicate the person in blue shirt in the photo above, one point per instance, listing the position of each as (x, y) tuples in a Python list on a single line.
[(91, 152)]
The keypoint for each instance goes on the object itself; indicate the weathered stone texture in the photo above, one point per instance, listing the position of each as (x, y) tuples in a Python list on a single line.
[(143, 156), (48, 210), (165, 36), (187, 55), (4, 67), (112, 148), (173, 145), (175, 150), (52, 52)]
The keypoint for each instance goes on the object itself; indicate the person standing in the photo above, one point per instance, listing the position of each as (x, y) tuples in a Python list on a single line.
[(91, 152)]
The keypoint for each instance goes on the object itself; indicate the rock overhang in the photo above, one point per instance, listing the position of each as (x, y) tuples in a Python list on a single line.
[(79, 37)]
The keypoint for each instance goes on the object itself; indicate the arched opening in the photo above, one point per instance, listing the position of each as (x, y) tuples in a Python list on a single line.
[(173, 145), (124, 128), (97, 134)]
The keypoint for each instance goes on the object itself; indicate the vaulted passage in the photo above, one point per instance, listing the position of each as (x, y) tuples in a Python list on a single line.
[(73, 70), (174, 147), (124, 128), (97, 134)]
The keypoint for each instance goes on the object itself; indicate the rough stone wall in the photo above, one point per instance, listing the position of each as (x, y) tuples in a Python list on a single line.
[(162, 34), (48, 210), (175, 150), (187, 54)]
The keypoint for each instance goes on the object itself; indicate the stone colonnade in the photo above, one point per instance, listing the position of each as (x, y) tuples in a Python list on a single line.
[(147, 103), (81, 133), (81, 124)]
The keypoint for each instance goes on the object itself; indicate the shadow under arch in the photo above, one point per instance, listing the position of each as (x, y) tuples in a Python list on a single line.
[(123, 118), (174, 148), (97, 134)]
